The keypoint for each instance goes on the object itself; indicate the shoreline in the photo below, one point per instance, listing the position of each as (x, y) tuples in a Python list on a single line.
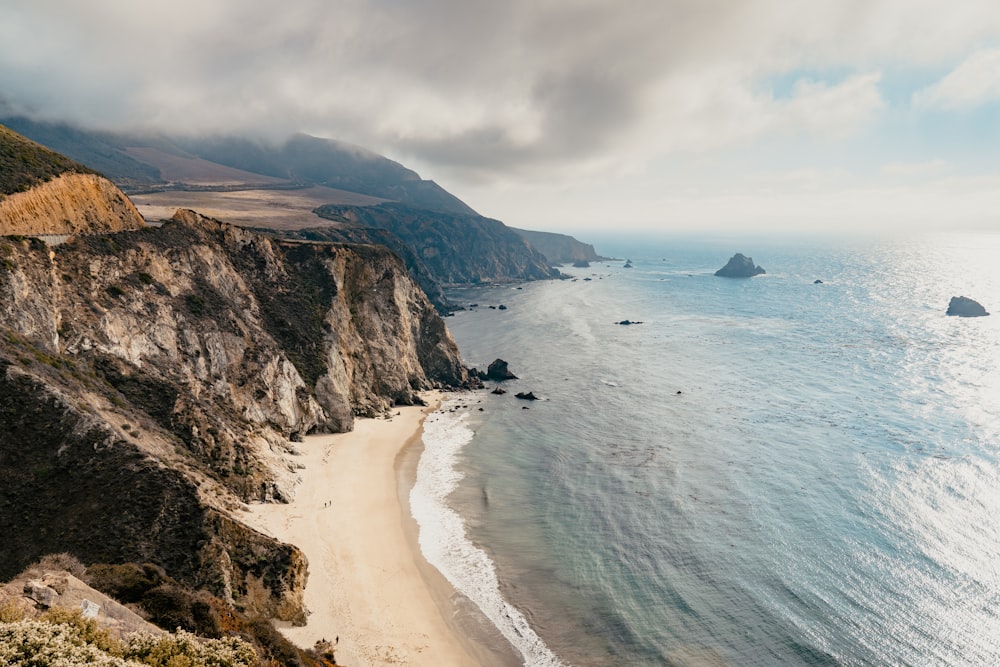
[(369, 589)]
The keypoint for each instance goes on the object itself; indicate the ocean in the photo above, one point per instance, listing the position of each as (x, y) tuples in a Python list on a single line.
[(765, 471)]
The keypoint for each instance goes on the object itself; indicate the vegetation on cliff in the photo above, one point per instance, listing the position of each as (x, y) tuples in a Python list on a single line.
[(25, 164)]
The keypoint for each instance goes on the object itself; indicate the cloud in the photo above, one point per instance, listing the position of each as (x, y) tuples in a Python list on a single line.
[(475, 89), (976, 81), (926, 169)]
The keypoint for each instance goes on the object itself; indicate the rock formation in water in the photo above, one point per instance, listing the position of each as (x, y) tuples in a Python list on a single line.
[(740, 266), (961, 306), (150, 381), (499, 371)]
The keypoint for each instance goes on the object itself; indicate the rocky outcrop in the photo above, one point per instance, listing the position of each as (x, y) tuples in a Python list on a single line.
[(961, 306), (49, 589), (740, 266), (560, 248), (69, 204), (499, 371), (150, 381)]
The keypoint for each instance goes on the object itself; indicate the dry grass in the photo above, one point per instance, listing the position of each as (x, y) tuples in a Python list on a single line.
[(275, 209)]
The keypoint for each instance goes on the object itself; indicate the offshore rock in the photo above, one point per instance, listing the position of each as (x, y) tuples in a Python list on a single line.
[(526, 396), (498, 371), (740, 266), (961, 306)]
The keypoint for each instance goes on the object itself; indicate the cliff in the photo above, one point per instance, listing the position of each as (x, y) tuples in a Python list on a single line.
[(372, 236), (454, 247), (69, 204), (560, 248), (150, 381)]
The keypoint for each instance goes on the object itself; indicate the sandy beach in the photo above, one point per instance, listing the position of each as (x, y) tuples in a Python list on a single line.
[(368, 584)]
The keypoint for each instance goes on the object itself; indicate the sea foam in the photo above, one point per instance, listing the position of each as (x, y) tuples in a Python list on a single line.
[(443, 539)]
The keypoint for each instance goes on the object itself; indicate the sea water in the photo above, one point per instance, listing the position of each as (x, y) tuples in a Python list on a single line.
[(765, 471)]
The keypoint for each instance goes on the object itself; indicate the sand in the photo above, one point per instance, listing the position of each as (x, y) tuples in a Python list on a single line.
[(368, 584)]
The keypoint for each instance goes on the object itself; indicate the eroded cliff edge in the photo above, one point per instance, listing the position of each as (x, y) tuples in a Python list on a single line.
[(150, 381)]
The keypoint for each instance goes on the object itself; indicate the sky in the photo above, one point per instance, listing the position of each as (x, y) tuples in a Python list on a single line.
[(818, 115)]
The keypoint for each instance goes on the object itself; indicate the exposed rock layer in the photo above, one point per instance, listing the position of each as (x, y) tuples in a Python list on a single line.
[(69, 204)]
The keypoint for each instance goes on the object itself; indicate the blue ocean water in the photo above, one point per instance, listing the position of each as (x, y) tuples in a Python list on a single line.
[(763, 472)]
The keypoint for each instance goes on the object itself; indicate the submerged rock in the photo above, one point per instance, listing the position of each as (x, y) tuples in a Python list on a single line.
[(965, 307), (740, 266)]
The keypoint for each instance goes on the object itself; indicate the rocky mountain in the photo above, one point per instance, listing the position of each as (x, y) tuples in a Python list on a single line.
[(560, 248), (455, 247), (151, 381)]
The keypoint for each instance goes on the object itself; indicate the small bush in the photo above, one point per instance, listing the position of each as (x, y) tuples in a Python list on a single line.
[(183, 649), (57, 562)]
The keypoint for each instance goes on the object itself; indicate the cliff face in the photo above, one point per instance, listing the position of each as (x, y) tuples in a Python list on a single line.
[(150, 381), (69, 204), (559, 248), (455, 248)]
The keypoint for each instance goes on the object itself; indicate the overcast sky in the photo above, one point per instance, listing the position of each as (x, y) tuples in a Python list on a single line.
[(566, 114)]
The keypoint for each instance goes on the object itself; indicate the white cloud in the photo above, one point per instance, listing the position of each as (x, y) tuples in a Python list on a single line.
[(481, 94), (976, 81), (925, 169)]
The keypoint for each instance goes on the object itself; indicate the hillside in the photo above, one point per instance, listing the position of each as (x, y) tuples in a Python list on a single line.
[(560, 248), (140, 163), (455, 248), (150, 381), (25, 164), (99, 151)]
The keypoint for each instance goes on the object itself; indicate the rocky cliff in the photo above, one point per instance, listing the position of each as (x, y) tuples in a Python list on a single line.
[(150, 381), (69, 204), (559, 248), (454, 247)]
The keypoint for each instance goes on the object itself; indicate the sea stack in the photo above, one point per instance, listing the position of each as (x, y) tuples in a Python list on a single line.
[(499, 372), (965, 307), (740, 266)]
